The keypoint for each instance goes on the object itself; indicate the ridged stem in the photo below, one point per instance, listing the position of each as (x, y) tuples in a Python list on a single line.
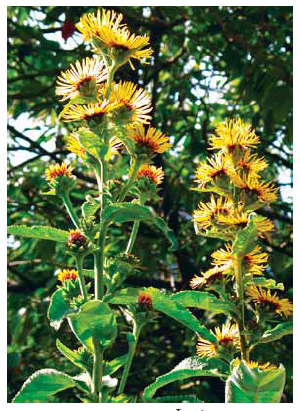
[(70, 209)]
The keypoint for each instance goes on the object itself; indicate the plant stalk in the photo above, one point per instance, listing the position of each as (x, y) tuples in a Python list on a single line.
[(240, 294), (98, 369), (79, 263), (70, 209), (132, 238), (127, 186)]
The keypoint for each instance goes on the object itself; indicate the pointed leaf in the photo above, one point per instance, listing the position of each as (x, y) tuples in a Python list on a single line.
[(112, 366), (163, 303), (93, 143), (189, 367), (253, 385), (265, 282), (74, 356), (58, 309), (95, 319), (204, 301), (39, 232), (276, 333), (125, 296), (245, 238), (42, 385), (123, 212)]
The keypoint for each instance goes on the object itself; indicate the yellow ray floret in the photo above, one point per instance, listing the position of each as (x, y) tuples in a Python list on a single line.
[(273, 303), (77, 112), (155, 174), (207, 213), (135, 101), (210, 276), (253, 364), (209, 171), (67, 274), (71, 82), (233, 134), (106, 28), (253, 262), (227, 337), (152, 139), (265, 192), (58, 170), (251, 164)]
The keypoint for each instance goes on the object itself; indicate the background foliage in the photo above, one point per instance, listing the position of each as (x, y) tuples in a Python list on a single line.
[(209, 63)]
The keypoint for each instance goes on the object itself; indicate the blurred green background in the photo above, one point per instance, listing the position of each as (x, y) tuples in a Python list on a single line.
[(209, 63)]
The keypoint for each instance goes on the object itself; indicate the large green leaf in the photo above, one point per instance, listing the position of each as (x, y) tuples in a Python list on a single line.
[(245, 238), (204, 301), (58, 309), (94, 320), (276, 333), (247, 384), (42, 385), (123, 212), (163, 303), (125, 296), (189, 367), (39, 232), (74, 356)]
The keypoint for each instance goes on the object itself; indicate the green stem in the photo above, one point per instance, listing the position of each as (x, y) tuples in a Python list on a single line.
[(98, 369), (131, 351), (99, 265), (79, 262), (127, 186), (132, 237), (240, 294), (70, 209)]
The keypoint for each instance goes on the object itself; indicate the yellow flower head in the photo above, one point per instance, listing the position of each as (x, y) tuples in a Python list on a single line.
[(252, 262), (208, 213), (233, 134), (228, 341), (58, 170), (210, 276), (251, 164), (67, 274), (252, 187), (239, 220), (270, 302), (135, 104), (155, 174), (81, 78), (214, 168), (77, 112), (154, 141), (253, 364), (106, 32)]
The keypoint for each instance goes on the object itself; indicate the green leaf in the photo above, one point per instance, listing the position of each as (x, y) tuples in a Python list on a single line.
[(245, 238), (189, 367), (249, 385), (177, 399), (265, 282), (39, 232), (58, 309), (88, 209), (94, 144), (74, 356), (112, 366), (165, 304), (88, 273), (204, 301), (276, 333), (123, 212), (125, 296), (42, 385), (95, 319)]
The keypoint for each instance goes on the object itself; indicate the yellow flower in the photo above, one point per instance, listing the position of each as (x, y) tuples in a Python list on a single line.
[(251, 164), (227, 337), (240, 220), (207, 213), (67, 274), (233, 134), (155, 174), (252, 262), (154, 141), (81, 77), (214, 168), (58, 170), (253, 364), (214, 274), (264, 192), (77, 112), (270, 302), (106, 32), (135, 104)]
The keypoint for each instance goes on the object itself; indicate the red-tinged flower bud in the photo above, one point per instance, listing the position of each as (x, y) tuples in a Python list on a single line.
[(77, 239), (145, 299), (67, 274)]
